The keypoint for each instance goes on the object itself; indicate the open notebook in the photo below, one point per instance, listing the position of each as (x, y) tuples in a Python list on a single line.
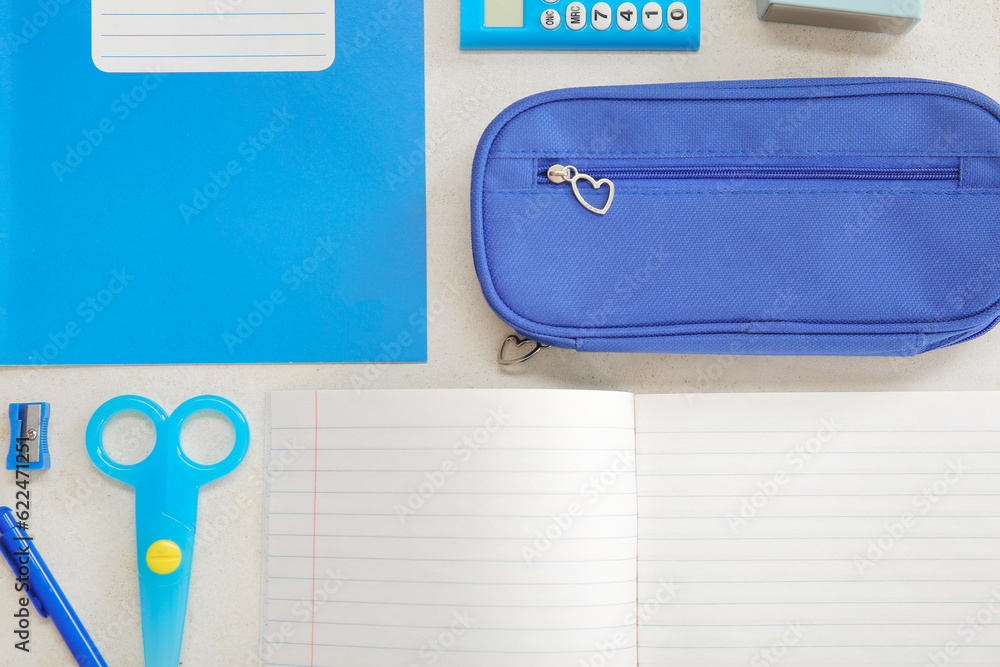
[(596, 529)]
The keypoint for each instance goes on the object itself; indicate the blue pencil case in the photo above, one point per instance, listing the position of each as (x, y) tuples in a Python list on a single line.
[(798, 217)]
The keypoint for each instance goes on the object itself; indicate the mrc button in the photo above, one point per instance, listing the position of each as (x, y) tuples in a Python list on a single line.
[(576, 16)]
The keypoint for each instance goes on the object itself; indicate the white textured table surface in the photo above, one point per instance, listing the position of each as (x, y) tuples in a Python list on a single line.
[(83, 522)]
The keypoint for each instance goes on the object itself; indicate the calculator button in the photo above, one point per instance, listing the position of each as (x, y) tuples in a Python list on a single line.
[(551, 19), (576, 16), (600, 16), (628, 16), (652, 16), (677, 16)]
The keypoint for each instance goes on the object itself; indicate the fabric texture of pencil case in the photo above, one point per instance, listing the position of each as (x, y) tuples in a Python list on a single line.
[(796, 217)]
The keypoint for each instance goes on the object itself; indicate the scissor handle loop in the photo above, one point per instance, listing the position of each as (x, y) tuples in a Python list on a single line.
[(128, 473), (202, 474), (168, 431)]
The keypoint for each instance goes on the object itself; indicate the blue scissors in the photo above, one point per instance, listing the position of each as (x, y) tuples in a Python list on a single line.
[(166, 487)]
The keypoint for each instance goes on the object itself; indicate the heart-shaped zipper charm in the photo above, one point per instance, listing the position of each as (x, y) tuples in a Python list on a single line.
[(597, 185), (534, 347), (561, 174)]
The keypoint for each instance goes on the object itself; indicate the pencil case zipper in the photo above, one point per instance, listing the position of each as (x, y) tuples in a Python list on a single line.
[(600, 173)]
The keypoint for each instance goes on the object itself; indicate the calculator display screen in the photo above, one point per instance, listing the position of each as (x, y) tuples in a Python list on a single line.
[(504, 13)]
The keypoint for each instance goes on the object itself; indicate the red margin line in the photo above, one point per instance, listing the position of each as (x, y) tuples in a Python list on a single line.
[(312, 638)]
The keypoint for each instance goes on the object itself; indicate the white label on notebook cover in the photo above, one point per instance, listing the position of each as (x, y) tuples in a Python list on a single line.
[(213, 35)]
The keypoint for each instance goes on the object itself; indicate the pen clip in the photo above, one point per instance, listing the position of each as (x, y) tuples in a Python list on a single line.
[(26, 588)]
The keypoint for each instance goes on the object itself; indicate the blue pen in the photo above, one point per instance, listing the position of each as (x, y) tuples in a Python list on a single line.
[(44, 592)]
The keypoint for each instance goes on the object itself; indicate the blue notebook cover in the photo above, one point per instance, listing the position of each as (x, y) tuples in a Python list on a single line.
[(211, 181)]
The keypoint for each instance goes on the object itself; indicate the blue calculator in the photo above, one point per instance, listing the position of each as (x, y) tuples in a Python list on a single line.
[(569, 24)]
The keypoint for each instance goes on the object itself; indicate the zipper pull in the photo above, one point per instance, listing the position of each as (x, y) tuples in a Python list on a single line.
[(534, 347), (560, 174)]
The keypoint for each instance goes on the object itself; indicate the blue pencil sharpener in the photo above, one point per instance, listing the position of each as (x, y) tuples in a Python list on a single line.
[(29, 440)]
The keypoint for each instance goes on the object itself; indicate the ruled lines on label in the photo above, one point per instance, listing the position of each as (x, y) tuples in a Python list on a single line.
[(213, 35)]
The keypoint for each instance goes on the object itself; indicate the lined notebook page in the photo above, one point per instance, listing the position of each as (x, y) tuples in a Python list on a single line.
[(450, 528), (821, 529)]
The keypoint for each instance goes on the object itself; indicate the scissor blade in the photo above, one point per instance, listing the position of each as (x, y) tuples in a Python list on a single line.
[(165, 548), (163, 611)]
